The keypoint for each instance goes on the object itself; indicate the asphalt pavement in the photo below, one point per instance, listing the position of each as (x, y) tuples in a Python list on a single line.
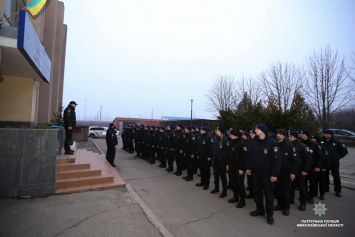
[(157, 203)]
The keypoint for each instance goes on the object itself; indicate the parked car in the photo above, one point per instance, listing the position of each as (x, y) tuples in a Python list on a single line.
[(343, 134), (97, 132)]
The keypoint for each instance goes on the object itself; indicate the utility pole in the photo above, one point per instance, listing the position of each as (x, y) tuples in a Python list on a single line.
[(191, 111), (100, 113)]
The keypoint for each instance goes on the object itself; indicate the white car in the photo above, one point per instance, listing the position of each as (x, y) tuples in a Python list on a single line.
[(97, 132)]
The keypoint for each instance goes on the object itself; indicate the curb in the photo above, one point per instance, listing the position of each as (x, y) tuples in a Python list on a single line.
[(96, 146), (344, 183), (151, 217)]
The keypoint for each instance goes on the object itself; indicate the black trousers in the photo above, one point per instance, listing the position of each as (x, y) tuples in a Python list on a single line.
[(145, 151), (334, 168), (219, 170), (283, 189), (237, 183), (262, 184), (250, 184), (320, 182), (138, 148), (179, 161), (162, 156), (170, 158), (110, 154), (190, 165), (152, 154), (300, 183), (68, 138), (205, 169)]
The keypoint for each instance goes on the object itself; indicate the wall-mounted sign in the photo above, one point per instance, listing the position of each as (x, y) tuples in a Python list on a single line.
[(31, 47)]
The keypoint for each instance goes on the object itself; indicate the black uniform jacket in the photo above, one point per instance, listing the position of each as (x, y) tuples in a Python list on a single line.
[(316, 153), (335, 148), (289, 157), (69, 117), (189, 143), (237, 155), (204, 146), (264, 156), (220, 147), (305, 159), (111, 138)]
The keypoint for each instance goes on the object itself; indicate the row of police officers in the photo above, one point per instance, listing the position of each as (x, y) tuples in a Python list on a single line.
[(275, 165)]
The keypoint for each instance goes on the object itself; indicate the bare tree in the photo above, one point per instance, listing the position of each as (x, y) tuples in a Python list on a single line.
[(281, 82), (352, 67), (250, 87), (327, 85), (222, 95)]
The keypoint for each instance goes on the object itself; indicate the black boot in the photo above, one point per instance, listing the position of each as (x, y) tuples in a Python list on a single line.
[(223, 194), (241, 203), (234, 199), (215, 190)]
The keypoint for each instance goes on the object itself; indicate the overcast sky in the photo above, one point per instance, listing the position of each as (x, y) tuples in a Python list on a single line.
[(138, 58)]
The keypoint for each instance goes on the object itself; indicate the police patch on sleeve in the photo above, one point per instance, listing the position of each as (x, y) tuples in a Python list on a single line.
[(344, 146), (193, 138), (276, 149), (245, 148)]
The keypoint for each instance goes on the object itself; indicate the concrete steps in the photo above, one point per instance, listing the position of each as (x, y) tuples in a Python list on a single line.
[(85, 171)]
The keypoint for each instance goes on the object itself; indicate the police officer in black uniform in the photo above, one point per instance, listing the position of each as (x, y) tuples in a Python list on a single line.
[(336, 151), (69, 118), (252, 135), (161, 150), (289, 168), (169, 146), (179, 149), (220, 151), (317, 163), (264, 163), (204, 156), (189, 152), (304, 165), (320, 179), (152, 145), (236, 167), (111, 142)]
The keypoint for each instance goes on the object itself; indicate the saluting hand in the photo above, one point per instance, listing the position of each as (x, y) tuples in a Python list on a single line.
[(273, 179)]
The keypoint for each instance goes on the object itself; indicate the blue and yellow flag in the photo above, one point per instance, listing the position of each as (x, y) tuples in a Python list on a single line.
[(35, 6)]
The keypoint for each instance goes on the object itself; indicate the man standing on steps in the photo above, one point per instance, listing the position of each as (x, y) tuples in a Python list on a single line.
[(69, 118)]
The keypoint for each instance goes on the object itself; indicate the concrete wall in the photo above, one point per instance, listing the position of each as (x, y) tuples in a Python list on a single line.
[(27, 162)]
